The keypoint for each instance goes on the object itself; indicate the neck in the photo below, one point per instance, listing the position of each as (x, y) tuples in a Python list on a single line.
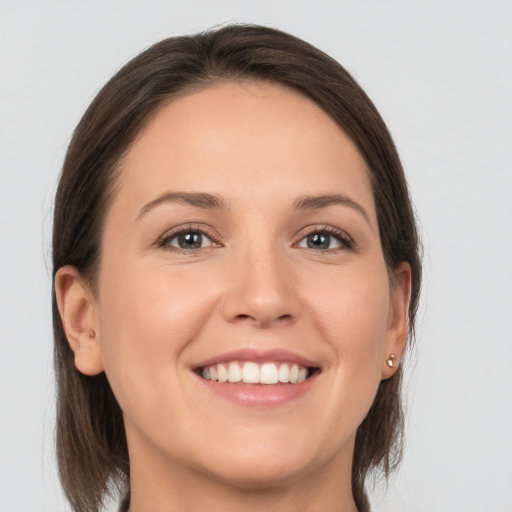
[(158, 485)]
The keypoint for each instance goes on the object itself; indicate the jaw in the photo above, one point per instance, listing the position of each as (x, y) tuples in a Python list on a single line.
[(247, 481)]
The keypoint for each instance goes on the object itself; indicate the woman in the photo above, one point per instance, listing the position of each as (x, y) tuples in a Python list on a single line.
[(236, 276)]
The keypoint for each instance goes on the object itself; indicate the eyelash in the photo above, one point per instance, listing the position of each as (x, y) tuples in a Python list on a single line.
[(182, 230), (345, 240)]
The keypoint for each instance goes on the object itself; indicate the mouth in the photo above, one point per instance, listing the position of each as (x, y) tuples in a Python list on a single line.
[(255, 378), (257, 372), (249, 372)]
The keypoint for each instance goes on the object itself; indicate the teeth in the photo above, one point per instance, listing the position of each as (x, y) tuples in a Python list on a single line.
[(269, 374), (284, 373), (234, 373), (222, 373), (252, 373), (294, 374)]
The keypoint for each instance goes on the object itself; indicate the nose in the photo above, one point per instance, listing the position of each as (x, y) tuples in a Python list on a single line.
[(261, 290)]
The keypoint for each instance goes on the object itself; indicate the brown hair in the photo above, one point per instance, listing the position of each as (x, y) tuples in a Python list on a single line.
[(91, 444)]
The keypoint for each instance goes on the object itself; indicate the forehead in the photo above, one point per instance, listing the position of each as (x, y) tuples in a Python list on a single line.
[(240, 140)]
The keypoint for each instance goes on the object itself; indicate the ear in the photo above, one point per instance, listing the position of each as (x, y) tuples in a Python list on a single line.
[(78, 312), (398, 320)]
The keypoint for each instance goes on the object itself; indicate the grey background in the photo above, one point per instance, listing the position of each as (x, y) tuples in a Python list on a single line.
[(441, 74)]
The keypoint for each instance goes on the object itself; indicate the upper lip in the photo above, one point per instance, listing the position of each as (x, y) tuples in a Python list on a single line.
[(259, 356)]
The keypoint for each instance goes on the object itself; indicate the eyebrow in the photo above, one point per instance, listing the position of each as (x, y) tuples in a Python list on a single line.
[(323, 201), (197, 199), (215, 202)]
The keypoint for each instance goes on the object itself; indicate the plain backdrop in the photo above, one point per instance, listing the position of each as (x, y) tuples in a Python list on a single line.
[(440, 73)]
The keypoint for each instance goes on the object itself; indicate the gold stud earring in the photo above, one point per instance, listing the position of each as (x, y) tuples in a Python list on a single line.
[(391, 360)]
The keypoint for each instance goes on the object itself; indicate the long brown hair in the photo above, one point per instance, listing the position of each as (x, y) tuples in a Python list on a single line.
[(91, 444)]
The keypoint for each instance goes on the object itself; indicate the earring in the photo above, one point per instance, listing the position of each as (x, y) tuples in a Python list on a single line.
[(391, 360)]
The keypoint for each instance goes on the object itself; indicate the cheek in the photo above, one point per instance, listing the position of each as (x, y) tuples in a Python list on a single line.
[(146, 321), (352, 307), (148, 306), (352, 316)]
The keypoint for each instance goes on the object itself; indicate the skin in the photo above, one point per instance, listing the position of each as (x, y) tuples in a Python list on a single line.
[(255, 283)]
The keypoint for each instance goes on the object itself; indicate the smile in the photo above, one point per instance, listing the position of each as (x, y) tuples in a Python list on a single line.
[(258, 378), (250, 372)]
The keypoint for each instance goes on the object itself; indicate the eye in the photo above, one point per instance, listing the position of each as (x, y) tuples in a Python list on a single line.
[(190, 240), (327, 238), (187, 239)]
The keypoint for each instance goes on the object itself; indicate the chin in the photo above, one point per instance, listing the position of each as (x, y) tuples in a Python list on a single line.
[(260, 474), (253, 466)]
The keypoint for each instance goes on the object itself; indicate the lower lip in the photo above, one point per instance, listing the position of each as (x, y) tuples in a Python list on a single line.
[(259, 395)]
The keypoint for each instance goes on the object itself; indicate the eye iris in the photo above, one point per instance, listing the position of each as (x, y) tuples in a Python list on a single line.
[(319, 241), (190, 240)]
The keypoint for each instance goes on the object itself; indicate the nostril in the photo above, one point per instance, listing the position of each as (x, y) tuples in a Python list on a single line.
[(263, 320)]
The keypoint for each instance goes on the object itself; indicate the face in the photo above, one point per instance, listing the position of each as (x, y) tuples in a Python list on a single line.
[(243, 243)]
